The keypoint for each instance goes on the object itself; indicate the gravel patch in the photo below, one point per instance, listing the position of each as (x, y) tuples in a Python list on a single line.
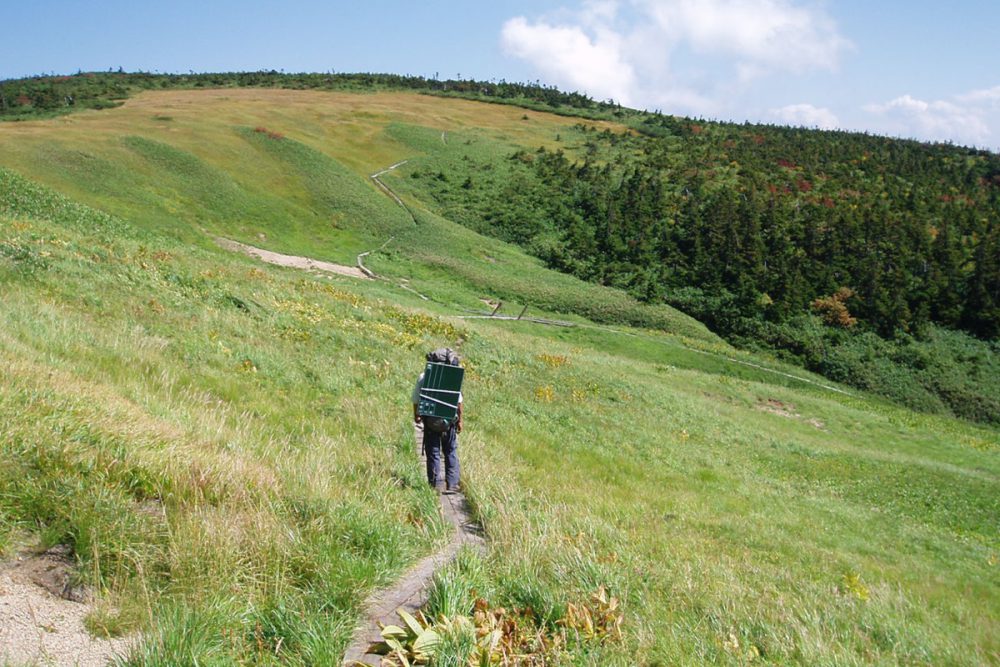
[(41, 616)]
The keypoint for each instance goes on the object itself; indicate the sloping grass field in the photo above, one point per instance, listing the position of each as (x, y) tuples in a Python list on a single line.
[(226, 445)]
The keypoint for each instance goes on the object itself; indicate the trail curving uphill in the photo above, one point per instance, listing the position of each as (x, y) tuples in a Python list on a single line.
[(410, 593), (385, 188)]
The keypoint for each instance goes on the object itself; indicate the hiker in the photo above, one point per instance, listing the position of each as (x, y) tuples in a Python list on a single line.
[(439, 435)]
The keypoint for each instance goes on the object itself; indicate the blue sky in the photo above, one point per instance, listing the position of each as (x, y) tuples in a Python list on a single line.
[(929, 70)]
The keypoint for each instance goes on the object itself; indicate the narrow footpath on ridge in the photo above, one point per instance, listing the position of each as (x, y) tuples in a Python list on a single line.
[(410, 593), (385, 188)]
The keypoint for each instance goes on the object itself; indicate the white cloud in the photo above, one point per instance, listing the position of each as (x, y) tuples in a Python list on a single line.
[(966, 119), (706, 57), (623, 48), (765, 33), (599, 11), (806, 115), (571, 56), (989, 96)]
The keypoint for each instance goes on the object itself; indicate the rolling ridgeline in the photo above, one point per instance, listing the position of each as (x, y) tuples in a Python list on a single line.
[(872, 261), (225, 444)]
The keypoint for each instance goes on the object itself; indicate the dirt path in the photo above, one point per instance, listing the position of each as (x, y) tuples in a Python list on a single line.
[(410, 592), (41, 616), (386, 188), (293, 261)]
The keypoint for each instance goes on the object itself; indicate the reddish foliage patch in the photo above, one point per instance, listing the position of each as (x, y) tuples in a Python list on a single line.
[(833, 309), (804, 185), (22, 100), (787, 164), (696, 129), (260, 129)]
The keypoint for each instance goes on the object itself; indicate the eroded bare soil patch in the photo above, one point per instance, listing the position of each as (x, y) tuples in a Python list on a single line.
[(787, 410), (293, 261), (41, 614)]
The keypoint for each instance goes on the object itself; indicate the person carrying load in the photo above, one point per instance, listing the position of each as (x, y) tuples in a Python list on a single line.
[(437, 407)]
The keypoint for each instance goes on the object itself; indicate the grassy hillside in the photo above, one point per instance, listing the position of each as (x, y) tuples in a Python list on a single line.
[(226, 444), (196, 164)]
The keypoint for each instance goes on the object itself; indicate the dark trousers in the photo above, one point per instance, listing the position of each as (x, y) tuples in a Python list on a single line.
[(434, 444)]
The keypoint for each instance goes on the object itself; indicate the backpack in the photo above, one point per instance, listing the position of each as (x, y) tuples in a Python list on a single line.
[(443, 355)]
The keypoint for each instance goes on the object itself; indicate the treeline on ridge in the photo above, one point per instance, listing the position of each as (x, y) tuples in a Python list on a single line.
[(48, 95)]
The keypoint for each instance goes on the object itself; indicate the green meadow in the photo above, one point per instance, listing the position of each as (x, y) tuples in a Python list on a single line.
[(226, 445)]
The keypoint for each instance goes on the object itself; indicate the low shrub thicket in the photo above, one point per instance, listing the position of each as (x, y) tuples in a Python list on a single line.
[(937, 371)]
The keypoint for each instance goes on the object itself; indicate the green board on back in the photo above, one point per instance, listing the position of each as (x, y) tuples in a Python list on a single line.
[(440, 390)]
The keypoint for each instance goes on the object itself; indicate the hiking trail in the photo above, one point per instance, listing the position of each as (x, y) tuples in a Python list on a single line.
[(411, 591), (388, 190)]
